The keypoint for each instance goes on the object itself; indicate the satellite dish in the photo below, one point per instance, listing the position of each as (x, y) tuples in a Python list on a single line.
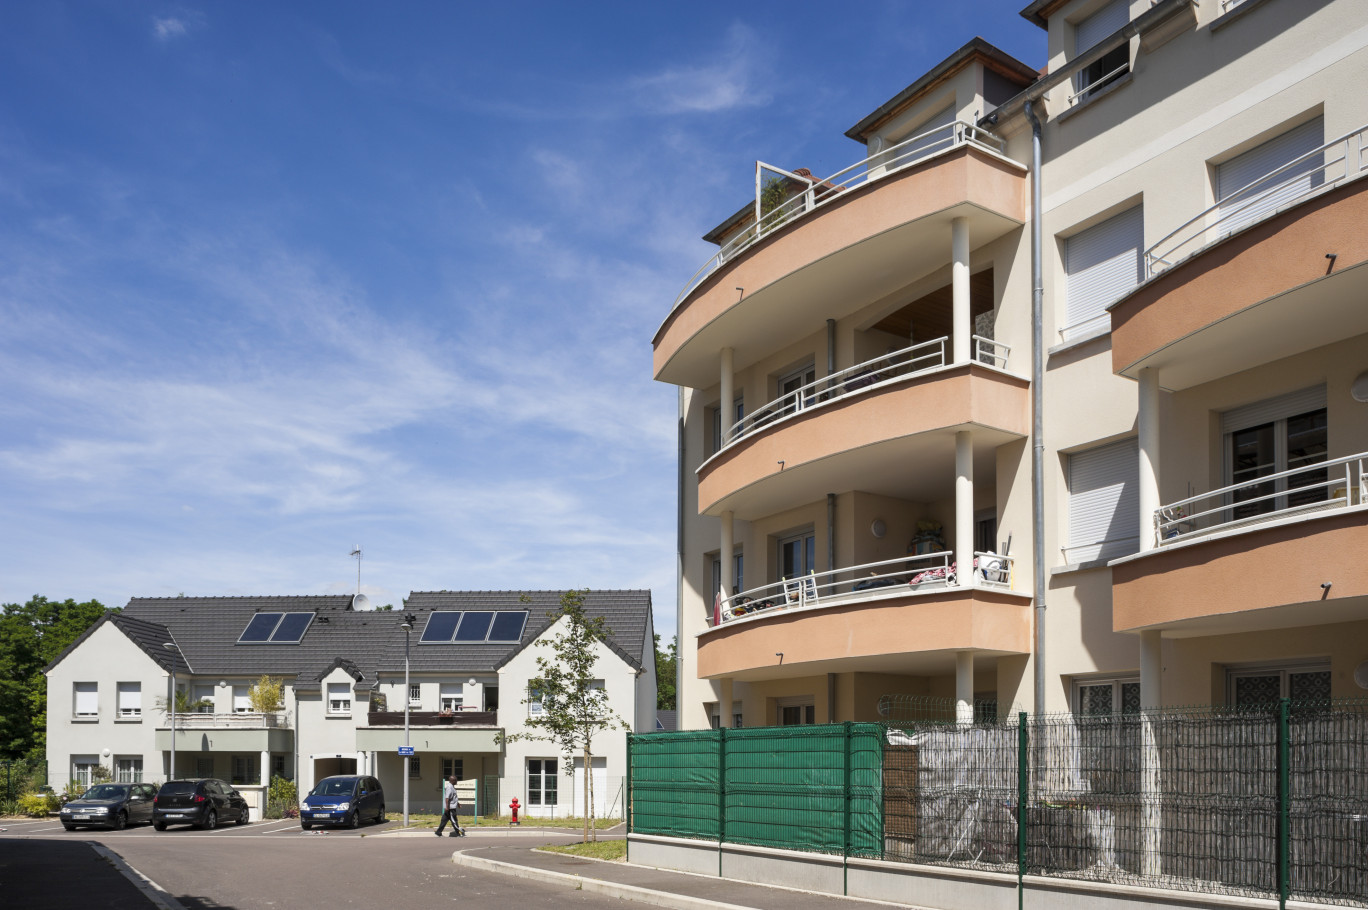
[(1361, 675), (360, 602), (1360, 391)]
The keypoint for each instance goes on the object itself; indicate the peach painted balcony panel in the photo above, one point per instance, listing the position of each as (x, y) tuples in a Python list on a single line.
[(898, 632), (1262, 577), (1265, 293), (870, 242), (897, 438)]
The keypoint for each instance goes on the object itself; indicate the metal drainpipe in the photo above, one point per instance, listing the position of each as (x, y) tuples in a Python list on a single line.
[(679, 552), (1037, 414)]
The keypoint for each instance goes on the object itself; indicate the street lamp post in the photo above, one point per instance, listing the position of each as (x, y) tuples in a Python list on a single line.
[(407, 626), (171, 771)]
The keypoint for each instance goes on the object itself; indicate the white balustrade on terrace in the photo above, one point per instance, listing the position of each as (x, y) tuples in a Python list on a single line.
[(236, 721)]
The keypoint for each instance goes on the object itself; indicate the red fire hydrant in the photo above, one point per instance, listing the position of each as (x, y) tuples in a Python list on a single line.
[(515, 806)]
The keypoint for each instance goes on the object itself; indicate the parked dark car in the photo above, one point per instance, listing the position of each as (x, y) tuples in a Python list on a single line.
[(110, 806), (344, 800), (202, 803)]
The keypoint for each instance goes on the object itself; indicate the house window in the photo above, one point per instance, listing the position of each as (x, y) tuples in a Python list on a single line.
[(1104, 502), (1107, 697), (715, 720), (339, 698), (245, 769), (1264, 685), (85, 700), (796, 390), (796, 711), (452, 696), (1101, 265), (415, 768), (83, 771), (204, 697), (128, 769), (738, 573), (491, 698), (718, 413), (985, 531), (278, 766), (1281, 434), (454, 766), (1247, 187), (798, 555), (534, 701), (415, 695), (204, 767), (130, 699), (541, 782), (241, 702), (1112, 65)]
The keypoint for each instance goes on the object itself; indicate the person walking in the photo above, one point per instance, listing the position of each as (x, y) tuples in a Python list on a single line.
[(451, 808)]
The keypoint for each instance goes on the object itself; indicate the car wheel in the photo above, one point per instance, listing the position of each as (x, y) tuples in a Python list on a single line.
[(210, 820), (69, 827), (380, 816), (159, 826), (305, 825), (353, 820), (121, 821)]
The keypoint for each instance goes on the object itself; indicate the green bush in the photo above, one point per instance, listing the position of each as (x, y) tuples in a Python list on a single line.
[(37, 805), (282, 799)]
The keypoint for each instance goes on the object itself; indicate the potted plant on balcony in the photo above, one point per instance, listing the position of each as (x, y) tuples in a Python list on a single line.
[(184, 705), (267, 697)]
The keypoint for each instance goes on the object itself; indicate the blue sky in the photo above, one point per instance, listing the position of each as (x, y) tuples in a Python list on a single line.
[(281, 278)]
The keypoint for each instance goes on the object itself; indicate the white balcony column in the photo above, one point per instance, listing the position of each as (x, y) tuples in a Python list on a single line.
[(265, 774), (961, 324), (1148, 421), (964, 507), (964, 688), (724, 704), (725, 555), (1151, 698), (728, 395), (361, 763)]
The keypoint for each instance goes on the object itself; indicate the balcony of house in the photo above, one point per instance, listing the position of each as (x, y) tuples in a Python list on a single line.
[(1283, 550), (891, 422), (903, 616), (1275, 268), (238, 731), (452, 731), (838, 244)]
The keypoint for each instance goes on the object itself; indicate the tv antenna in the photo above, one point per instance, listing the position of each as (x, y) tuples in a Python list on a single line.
[(356, 551)]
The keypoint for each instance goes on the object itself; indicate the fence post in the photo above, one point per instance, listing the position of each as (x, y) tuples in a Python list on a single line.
[(845, 792), (627, 809), (1023, 783), (721, 794), (1284, 799)]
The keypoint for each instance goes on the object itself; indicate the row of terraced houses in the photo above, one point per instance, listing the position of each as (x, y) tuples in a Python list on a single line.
[(1056, 399)]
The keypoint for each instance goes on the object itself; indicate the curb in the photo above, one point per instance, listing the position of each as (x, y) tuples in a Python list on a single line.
[(593, 885), (150, 889)]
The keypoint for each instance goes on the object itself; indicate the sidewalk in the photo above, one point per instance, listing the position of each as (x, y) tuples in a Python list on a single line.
[(659, 887)]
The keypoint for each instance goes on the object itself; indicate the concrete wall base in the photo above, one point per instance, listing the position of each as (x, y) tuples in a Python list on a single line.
[(933, 887)]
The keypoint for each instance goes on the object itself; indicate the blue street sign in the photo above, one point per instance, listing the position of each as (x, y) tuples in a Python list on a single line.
[(405, 750)]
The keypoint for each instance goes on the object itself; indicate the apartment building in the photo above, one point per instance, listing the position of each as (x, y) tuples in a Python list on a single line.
[(464, 670), (1056, 399)]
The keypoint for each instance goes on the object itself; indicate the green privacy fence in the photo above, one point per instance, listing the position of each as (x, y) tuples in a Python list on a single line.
[(811, 788), (1266, 801)]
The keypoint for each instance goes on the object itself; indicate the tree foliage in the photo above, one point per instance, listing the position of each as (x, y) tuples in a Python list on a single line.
[(267, 695), (31, 637), (666, 662), (573, 710)]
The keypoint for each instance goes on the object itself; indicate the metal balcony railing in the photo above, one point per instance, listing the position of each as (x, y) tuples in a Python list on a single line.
[(1333, 164), (821, 191), (1336, 484), (234, 721), (869, 581)]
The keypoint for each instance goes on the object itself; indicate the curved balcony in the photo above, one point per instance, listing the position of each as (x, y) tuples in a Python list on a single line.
[(896, 435), (1285, 550), (849, 240), (903, 615), (1232, 290)]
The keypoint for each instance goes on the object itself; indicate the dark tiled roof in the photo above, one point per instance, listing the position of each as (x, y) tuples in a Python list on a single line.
[(667, 721)]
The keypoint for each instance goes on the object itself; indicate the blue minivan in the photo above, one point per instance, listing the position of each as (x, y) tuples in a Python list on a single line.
[(343, 800)]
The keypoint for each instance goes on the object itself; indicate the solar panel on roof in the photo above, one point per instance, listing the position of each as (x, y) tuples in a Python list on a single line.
[(440, 627), (508, 626), (291, 628), (260, 627), (475, 626)]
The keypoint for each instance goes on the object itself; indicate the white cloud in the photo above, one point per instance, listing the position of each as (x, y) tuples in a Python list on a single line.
[(735, 79), (168, 28)]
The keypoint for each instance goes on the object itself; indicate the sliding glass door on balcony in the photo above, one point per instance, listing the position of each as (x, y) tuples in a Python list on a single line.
[(798, 555), (1277, 443)]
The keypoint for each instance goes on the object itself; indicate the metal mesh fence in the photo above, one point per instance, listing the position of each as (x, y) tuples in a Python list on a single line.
[(1262, 801)]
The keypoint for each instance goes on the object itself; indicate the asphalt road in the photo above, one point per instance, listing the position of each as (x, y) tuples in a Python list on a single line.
[(273, 865)]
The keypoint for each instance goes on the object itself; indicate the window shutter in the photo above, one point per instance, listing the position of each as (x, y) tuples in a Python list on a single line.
[(241, 703), (1260, 198), (1271, 409), (87, 701), (130, 698), (1104, 502), (1102, 264), (1100, 24)]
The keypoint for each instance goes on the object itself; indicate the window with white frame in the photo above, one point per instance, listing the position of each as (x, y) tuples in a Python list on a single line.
[(1102, 264), (1107, 697), (1256, 183), (246, 769), (1264, 685), (719, 413), (415, 695), (128, 769), (83, 769), (1091, 32), (535, 708), (85, 700), (541, 782), (798, 555), (130, 699), (1104, 502), (1287, 433), (242, 703), (204, 697), (796, 711), (339, 698), (715, 720), (453, 696), (795, 390), (454, 766), (738, 575)]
